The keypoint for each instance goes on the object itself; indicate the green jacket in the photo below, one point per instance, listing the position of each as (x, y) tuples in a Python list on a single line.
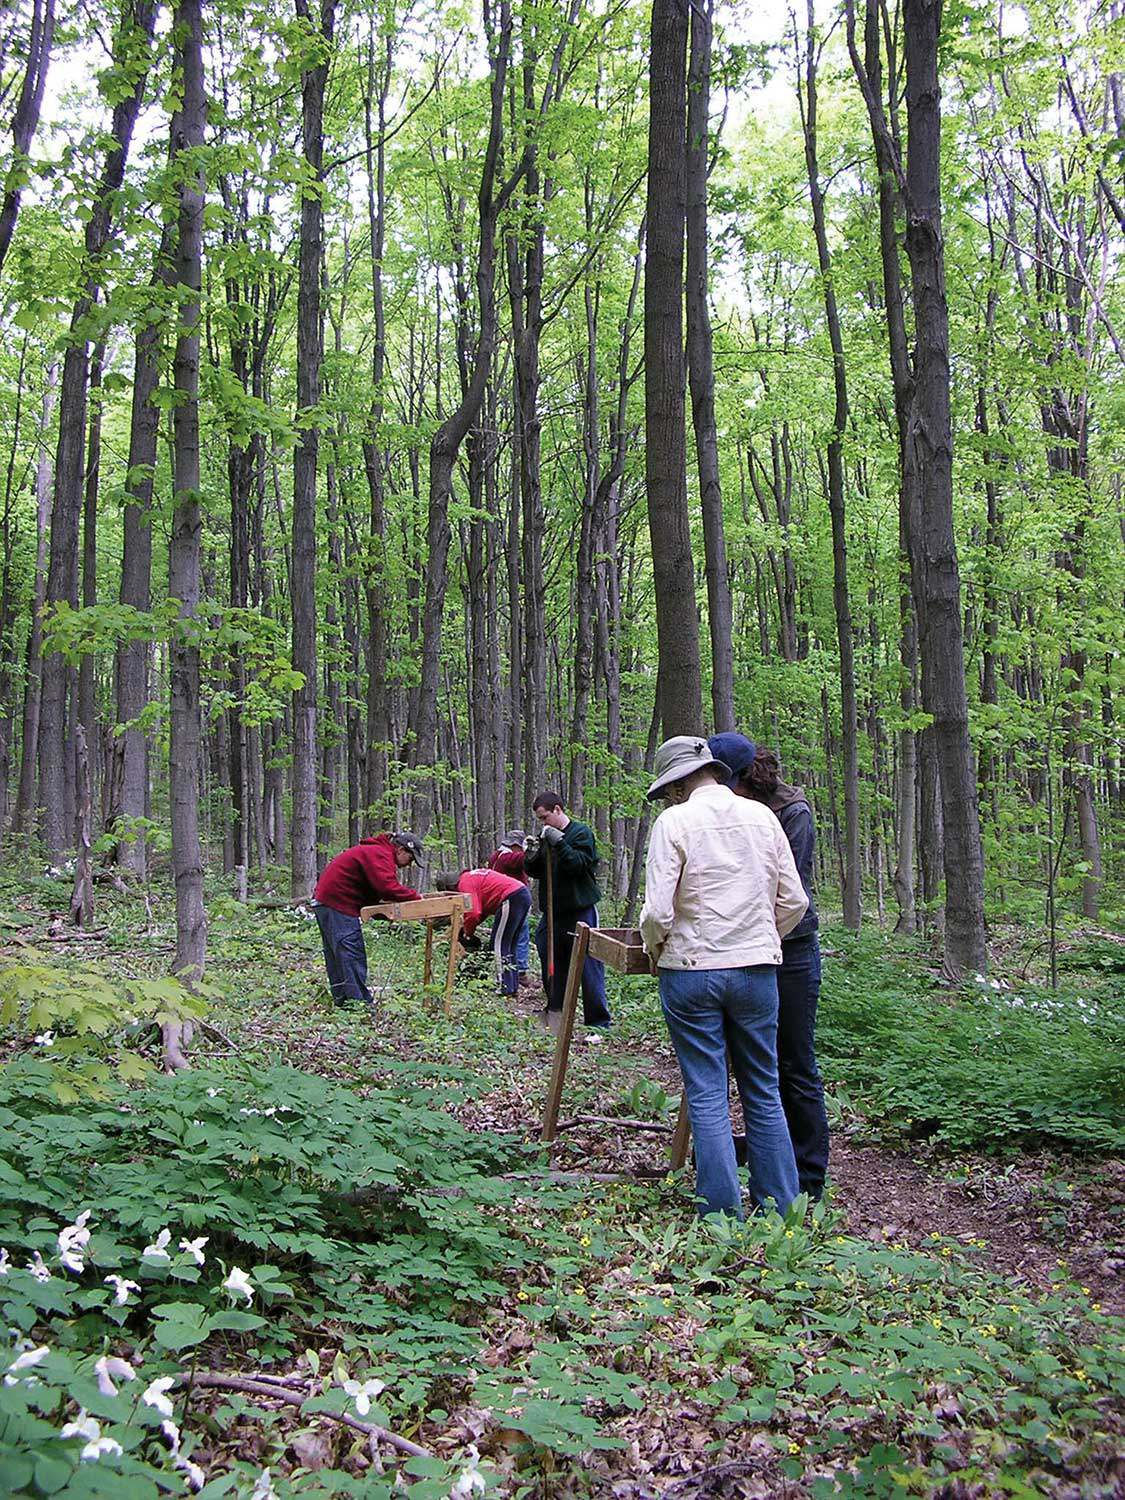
[(574, 865)]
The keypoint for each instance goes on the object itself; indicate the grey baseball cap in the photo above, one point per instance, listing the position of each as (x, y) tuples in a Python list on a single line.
[(412, 842)]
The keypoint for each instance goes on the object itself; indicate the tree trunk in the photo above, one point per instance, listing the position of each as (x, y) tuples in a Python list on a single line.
[(87, 691), (184, 553), (929, 453), (26, 117), (701, 374), (849, 714), (310, 355), (677, 624), (133, 47)]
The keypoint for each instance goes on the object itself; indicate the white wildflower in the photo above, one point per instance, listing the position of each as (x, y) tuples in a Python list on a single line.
[(90, 1429), (212, 1093), (362, 1392), (471, 1481), (172, 1432), (250, 1111), (110, 1368), (5, 1263), (45, 1039), (158, 1250), (85, 1427), (155, 1394), (192, 1472), (72, 1242), (122, 1286), (99, 1445), (238, 1284), (38, 1268), (264, 1489), (194, 1248), (29, 1359)]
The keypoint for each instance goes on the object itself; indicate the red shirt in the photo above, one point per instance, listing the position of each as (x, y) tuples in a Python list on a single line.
[(361, 876), (488, 890), (509, 862)]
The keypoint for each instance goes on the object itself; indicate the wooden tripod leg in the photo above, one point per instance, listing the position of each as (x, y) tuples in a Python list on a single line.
[(451, 974), (428, 971), (566, 1032), (681, 1137)]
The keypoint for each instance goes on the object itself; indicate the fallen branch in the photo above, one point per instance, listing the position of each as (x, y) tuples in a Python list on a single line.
[(247, 1386), (614, 1120)]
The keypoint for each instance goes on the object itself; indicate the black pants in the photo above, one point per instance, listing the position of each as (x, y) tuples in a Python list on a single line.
[(802, 1091), (345, 955), (595, 1011)]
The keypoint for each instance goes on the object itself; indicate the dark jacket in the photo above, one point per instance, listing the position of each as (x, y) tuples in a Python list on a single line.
[(791, 808), (574, 867)]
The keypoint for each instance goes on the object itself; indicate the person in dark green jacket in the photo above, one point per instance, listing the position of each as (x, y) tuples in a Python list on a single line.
[(573, 854)]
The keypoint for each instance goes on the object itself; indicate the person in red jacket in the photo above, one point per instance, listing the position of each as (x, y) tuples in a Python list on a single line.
[(360, 876), (508, 902), (509, 860)]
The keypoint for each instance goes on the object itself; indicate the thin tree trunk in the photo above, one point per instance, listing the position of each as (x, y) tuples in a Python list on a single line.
[(184, 554), (26, 117), (87, 704), (701, 374), (677, 624)]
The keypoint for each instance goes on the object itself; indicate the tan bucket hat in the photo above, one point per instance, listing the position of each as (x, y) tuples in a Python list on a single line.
[(679, 757)]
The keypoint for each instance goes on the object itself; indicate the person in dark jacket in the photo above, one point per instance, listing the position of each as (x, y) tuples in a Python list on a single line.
[(363, 875), (757, 774), (509, 860), (573, 854)]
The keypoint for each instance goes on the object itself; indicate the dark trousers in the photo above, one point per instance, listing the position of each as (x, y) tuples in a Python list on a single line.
[(506, 928), (345, 956), (802, 1091), (595, 1011)]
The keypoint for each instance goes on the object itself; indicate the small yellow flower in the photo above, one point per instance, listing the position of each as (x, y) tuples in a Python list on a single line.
[(788, 1234), (585, 1240), (521, 1296), (579, 1291), (794, 1447), (1085, 1291), (936, 1322), (947, 1250)]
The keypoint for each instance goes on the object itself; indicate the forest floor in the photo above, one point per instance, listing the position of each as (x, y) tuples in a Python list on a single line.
[(948, 1323)]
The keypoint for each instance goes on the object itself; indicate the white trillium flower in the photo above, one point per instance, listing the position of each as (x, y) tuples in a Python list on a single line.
[(109, 1368), (38, 1268), (29, 1359), (172, 1433), (99, 1445), (471, 1481), (45, 1039), (84, 1427), (362, 1392), (72, 1242), (155, 1394), (212, 1093), (90, 1429), (122, 1286), (158, 1250), (264, 1489), (238, 1284), (192, 1472), (5, 1263), (194, 1248)]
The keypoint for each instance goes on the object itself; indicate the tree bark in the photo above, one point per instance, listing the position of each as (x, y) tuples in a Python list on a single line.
[(310, 355), (26, 117), (677, 624), (184, 554), (701, 373)]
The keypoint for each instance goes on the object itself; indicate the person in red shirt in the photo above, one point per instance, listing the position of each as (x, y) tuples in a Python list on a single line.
[(508, 902), (360, 876), (509, 860)]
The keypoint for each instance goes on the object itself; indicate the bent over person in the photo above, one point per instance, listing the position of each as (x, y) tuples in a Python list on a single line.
[(505, 899), (721, 890), (363, 875)]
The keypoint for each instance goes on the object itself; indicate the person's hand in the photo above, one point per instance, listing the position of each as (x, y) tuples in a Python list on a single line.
[(530, 846), (552, 835), (470, 942)]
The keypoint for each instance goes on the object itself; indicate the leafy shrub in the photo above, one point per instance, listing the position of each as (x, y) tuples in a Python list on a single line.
[(984, 1067)]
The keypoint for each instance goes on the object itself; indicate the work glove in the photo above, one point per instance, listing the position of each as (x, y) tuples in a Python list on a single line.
[(553, 836), (470, 942), (530, 846)]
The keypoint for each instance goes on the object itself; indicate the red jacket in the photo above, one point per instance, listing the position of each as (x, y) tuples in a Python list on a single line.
[(361, 876), (488, 890), (509, 862)]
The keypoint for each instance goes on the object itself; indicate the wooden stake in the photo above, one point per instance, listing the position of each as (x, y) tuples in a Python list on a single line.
[(681, 1138), (566, 1032), (428, 970)]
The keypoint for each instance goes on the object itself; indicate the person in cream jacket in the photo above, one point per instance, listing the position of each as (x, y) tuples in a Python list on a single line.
[(721, 891)]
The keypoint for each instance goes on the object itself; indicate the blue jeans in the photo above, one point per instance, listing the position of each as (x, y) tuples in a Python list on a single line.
[(523, 942), (345, 955), (802, 1091), (711, 1011), (595, 1009)]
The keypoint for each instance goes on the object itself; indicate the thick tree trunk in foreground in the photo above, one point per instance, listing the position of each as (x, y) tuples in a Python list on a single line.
[(184, 757), (310, 355), (701, 373), (929, 454), (26, 118), (849, 714), (677, 625)]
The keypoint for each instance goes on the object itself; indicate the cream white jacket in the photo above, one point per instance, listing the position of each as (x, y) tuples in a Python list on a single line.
[(721, 888)]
